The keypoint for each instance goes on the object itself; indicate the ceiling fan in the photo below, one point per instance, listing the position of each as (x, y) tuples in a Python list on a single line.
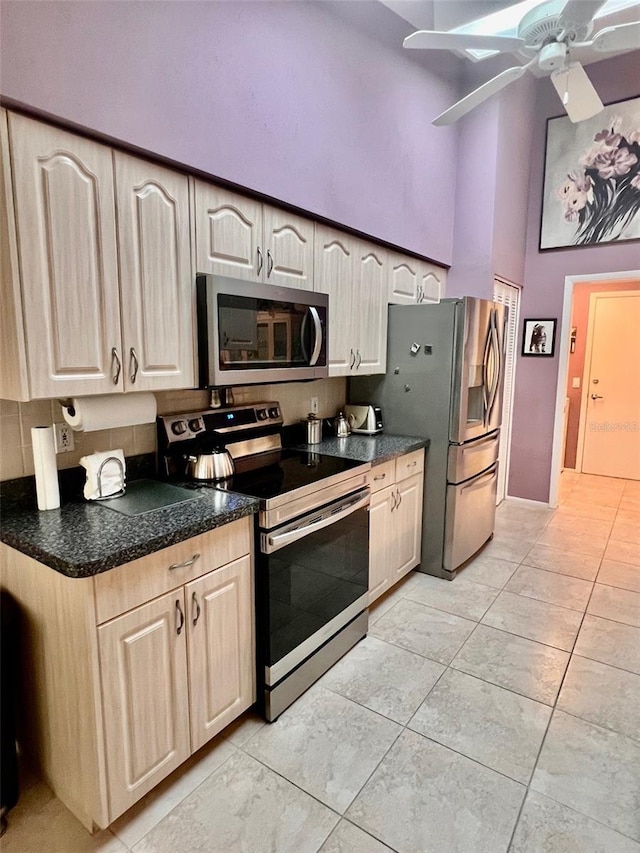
[(549, 36)]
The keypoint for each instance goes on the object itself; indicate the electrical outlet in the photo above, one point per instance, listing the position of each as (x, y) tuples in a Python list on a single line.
[(314, 406), (64, 438)]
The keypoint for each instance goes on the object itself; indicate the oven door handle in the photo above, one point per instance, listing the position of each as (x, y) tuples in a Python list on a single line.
[(342, 510)]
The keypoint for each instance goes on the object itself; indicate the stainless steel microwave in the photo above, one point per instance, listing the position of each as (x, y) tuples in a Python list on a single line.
[(251, 332)]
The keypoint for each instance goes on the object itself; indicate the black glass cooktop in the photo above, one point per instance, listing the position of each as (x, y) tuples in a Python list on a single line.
[(294, 470)]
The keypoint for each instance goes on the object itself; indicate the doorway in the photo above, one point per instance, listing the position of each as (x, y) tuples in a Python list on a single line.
[(623, 280), (609, 437), (509, 295)]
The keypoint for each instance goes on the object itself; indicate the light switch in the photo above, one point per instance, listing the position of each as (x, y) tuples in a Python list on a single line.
[(575, 382)]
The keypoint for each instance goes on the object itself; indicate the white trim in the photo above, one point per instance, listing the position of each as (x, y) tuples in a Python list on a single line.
[(526, 501), (563, 370), (506, 462), (588, 355)]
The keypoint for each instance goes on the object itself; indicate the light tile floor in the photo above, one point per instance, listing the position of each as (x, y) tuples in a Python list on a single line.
[(499, 712)]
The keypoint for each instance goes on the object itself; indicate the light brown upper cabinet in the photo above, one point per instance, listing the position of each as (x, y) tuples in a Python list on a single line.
[(156, 281), (74, 329), (355, 275), (412, 281), (243, 238)]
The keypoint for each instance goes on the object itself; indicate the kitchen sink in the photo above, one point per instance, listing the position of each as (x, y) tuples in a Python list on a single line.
[(148, 495)]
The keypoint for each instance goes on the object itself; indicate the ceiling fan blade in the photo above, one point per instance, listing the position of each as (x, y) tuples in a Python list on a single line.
[(622, 37), (580, 12), (434, 40), (576, 91), (475, 98)]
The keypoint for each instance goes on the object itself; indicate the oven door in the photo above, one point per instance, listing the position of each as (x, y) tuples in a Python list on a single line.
[(259, 332), (313, 579)]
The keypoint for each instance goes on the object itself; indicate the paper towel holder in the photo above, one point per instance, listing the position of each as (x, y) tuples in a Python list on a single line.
[(67, 404), (117, 494)]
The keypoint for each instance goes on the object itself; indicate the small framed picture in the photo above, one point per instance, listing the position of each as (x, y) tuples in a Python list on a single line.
[(538, 337)]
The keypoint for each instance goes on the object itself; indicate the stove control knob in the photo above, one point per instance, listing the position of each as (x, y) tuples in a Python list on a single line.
[(262, 414), (274, 412), (195, 425), (178, 427)]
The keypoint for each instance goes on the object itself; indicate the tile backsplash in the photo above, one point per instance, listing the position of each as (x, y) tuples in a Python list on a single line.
[(16, 420)]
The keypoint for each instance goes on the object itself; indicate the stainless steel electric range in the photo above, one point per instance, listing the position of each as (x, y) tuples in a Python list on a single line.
[(312, 540)]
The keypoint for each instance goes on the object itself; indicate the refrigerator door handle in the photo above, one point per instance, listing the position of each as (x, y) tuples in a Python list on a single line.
[(495, 342), (485, 378)]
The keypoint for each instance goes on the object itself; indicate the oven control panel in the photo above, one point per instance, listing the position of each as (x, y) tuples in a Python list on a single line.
[(184, 426)]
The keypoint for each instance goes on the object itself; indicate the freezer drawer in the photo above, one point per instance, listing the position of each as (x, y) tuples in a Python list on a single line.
[(470, 516), (469, 459)]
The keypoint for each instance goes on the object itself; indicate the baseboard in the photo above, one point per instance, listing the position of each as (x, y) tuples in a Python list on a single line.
[(544, 504)]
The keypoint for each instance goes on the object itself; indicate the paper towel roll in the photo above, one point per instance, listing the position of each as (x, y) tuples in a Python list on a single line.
[(44, 461), (88, 414)]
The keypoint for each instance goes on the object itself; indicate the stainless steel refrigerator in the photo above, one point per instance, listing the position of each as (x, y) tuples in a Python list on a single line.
[(445, 367)]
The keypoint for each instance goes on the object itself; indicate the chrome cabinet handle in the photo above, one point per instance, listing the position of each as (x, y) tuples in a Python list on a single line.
[(115, 362), (134, 363), (353, 359), (359, 359), (186, 563), (260, 260), (179, 618), (412, 464), (269, 263), (196, 607), (380, 477), (394, 503), (399, 497), (420, 294)]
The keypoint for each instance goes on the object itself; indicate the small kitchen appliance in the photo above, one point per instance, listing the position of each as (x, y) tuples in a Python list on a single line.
[(312, 540), (365, 419), (341, 426), (255, 333)]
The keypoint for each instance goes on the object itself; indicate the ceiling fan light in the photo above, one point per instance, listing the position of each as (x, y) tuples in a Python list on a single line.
[(576, 92)]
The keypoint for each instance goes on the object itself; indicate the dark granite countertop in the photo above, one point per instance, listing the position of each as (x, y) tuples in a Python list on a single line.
[(82, 539), (367, 448)]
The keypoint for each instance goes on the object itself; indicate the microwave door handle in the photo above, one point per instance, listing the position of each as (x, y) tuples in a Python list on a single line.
[(274, 543), (317, 325)]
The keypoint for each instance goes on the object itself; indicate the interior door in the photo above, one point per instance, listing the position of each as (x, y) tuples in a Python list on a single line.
[(611, 423), (509, 295)]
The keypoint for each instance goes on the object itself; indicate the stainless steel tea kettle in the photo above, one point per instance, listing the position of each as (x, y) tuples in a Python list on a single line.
[(341, 426), (217, 464)]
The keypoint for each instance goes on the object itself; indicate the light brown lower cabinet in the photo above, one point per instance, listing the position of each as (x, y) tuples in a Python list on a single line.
[(395, 536), (128, 673)]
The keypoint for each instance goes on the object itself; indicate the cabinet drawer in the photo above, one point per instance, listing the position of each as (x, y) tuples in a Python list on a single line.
[(382, 475), (410, 464), (133, 583)]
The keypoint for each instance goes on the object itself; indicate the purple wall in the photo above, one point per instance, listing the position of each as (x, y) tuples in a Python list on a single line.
[(536, 380), (310, 103), (492, 190)]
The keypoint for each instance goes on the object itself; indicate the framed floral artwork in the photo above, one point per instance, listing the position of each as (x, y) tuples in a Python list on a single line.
[(591, 189), (539, 337)]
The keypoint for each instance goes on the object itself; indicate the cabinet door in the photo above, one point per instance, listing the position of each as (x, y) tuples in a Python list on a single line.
[(404, 277), (407, 525), (433, 281), (221, 648), (371, 310), (143, 668), (228, 233), (65, 216), (381, 558), (288, 240), (335, 274), (156, 281)]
